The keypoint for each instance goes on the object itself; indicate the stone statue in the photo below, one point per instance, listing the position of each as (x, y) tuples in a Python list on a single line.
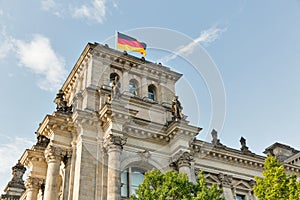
[(42, 141), (215, 141), (244, 147), (176, 108), (17, 180), (61, 103), (115, 88)]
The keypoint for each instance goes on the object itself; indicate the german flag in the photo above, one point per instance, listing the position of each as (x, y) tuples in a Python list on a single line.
[(128, 43)]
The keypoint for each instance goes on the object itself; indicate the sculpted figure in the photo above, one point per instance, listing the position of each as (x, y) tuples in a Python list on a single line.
[(176, 108)]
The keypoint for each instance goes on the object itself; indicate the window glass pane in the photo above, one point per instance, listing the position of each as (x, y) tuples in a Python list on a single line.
[(137, 178), (124, 184), (240, 197), (151, 92), (133, 189), (132, 88), (150, 95)]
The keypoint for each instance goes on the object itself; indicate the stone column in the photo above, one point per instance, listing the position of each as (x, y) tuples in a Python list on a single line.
[(114, 145), (226, 184), (184, 164), (67, 162), (182, 161), (53, 157), (33, 185)]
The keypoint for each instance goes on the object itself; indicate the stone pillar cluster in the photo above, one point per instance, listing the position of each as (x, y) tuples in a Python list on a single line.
[(114, 145)]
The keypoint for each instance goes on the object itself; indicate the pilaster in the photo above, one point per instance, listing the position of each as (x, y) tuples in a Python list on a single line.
[(67, 163)]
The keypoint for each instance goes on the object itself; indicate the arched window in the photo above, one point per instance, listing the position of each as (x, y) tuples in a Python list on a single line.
[(130, 179), (133, 87), (112, 77), (152, 92)]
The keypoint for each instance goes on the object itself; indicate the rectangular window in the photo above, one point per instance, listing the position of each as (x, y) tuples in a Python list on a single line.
[(240, 197)]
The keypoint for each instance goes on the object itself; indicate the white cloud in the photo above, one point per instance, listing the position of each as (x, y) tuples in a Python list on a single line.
[(38, 56), (92, 10), (6, 45), (5, 48), (11, 150), (48, 4), (95, 11), (206, 37)]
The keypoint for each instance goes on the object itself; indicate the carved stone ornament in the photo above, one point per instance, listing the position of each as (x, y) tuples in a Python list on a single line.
[(61, 103), (115, 141), (17, 180), (181, 159), (176, 109), (144, 155), (53, 153), (225, 179), (252, 183), (215, 141), (244, 147), (33, 183), (42, 141), (67, 157)]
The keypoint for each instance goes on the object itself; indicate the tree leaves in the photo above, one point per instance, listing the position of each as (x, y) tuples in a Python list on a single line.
[(175, 186), (276, 184)]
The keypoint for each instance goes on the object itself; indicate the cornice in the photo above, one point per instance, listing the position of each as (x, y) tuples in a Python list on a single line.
[(57, 121), (72, 76), (204, 150), (126, 61), (225, 154), (32, 156)]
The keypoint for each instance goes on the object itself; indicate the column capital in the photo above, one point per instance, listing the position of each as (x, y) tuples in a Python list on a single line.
[(54, 153), (182, 159), (67, 157), (225, 179), (114, 141), (33, 183)]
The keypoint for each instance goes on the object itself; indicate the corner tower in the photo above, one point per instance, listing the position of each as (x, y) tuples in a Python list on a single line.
[(116, 118)]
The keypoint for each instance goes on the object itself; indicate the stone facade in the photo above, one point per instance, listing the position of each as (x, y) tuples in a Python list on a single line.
[(116, 118)]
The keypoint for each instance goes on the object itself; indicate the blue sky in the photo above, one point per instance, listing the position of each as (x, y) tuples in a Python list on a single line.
[(254, 45)]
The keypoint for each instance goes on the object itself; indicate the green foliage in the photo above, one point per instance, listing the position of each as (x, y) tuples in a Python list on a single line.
[(175, 186), (276, 184)]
